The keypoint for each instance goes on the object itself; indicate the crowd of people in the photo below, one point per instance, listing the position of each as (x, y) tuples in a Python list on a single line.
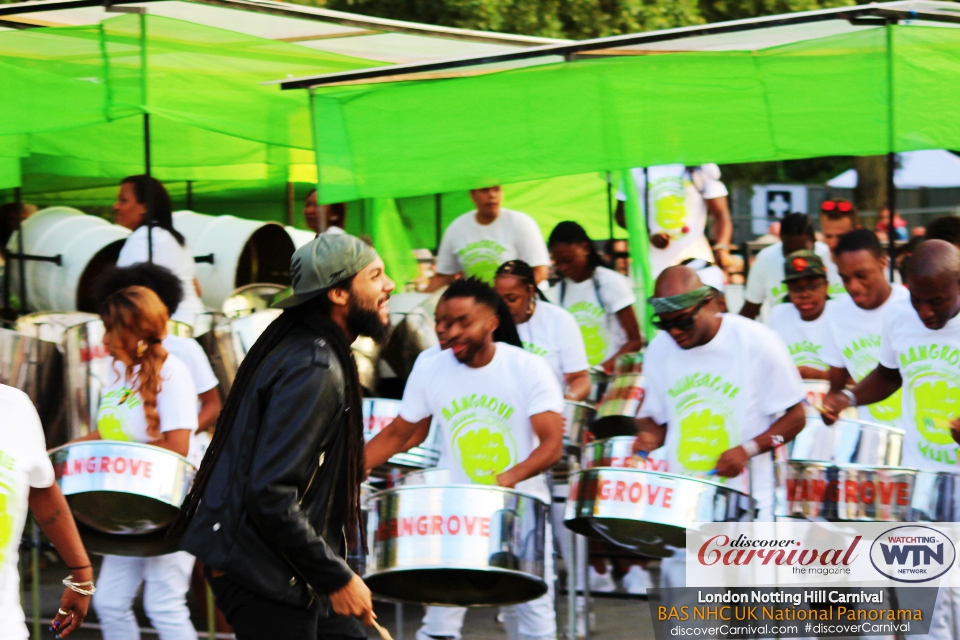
[(275, 505)]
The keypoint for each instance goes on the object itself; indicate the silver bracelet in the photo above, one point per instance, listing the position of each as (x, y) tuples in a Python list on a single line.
[(79, 586), (852, 399), (751, 448)]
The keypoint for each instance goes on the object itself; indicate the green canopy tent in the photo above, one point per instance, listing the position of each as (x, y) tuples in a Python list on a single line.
[(875, 79)]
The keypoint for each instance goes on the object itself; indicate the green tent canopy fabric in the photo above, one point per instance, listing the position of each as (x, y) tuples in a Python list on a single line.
[(813, 97)]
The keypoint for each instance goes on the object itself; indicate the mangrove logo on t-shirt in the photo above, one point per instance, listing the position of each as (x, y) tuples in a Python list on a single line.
[(669, 201), (481, 439), (863, 354), (534, 349), (596, 339), (932, 385), (807, 354), (113, 416), (481, 259), (9, 505), (704, 409)]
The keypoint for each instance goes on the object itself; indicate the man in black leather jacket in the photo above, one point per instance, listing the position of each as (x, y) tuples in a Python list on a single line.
[(276, 501)]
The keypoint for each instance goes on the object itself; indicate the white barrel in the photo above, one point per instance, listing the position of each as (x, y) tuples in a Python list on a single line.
[(86, 245), (300, 237), (244, 251)]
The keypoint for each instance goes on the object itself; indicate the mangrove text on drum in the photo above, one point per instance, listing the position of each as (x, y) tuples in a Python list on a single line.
[(104, 464), (620, 491), (434, 525)]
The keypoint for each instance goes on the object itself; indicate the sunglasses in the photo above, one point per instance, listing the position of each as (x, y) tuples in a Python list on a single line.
[(836, 205), (683, 323)]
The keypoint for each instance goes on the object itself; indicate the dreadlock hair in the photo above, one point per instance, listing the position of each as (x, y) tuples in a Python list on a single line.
[(484, 294), (860, 240), (523, 272), (314, 314), (569, 232), (160, 280)]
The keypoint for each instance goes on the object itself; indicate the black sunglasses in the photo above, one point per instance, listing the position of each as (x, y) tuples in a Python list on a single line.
[(683, 323)]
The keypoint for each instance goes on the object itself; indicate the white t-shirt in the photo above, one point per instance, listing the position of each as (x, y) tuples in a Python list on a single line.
[(484, 413), (191, 354), (552, 332), (23, 464), (929, 363), (719, 395), (677, 206), (121, 415), (765, 281), (603, 335), (335, 230), (478, 249), (167, 253), (804, 339), (855, 346)]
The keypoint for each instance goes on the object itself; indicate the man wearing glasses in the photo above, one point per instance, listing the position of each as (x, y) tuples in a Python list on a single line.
[(715, 386), (802, 325)]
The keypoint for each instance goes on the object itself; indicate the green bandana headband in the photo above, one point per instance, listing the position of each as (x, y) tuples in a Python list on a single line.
[(680, 301)]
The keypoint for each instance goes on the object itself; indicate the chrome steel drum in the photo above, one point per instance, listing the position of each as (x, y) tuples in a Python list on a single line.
[(414, 331), (814, 390), (430, 477), (617, 452), (617, 410), (848, 441), (577, 417), (854, 493), (122, 490), (598, 384), (648, 512), (36, 367), (463, 545), (377, 414), (228, 343), (250, 299)]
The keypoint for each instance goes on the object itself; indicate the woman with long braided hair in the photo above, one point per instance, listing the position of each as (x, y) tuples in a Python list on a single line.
[(150, 398), (277, 499)]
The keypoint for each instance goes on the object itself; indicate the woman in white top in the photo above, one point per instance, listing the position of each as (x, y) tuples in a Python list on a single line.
[(545, 329), (27, 480), (161, 244), (151, 399), (600, 299)]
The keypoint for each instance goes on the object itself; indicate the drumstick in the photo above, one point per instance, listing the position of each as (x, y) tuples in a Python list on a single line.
[(384, 634), (815, 407)]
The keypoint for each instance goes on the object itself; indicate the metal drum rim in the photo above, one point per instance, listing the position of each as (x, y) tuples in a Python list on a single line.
[(853, 466), (449, 485), (529, 577), (141, 445), (580, 403), (875, 425), (672, 476), (140, 495)]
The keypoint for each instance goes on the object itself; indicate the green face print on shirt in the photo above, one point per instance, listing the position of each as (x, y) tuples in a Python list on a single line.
[(862, 356), (8, 515), (703, 438), (936, 402), (596, 338), (112, 415), (481, 259), (669, 201), (481, 439)]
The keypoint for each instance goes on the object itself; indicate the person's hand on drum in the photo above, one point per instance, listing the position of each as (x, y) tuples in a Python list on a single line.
[(833, 406), (646, 442), (73, 606), (955, 430), (354, 599), (507, 479), (732, 462)]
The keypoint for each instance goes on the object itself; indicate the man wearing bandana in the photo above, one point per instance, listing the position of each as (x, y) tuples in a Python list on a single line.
[(721, 394)]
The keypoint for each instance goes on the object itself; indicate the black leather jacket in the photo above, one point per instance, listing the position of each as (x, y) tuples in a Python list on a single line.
[(271, 517)]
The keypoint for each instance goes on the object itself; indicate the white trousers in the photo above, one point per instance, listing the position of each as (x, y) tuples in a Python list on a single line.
[(534, 620), (166, 582)]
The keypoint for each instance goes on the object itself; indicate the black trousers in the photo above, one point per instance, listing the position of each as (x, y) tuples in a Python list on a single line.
[(254, 617)]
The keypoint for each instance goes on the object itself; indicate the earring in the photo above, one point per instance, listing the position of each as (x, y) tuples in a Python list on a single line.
[(141, 349)]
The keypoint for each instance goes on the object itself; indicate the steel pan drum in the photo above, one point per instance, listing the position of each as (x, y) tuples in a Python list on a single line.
[(462, 545), (423, 477), (250, 299), (122, 488), (617, 452), (848, 441), (648, 512), (856, 493), (577, 417), (814, 390), (377, 414), (617, 410)]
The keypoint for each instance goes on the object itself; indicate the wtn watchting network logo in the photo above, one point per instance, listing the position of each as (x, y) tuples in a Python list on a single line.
[(912, 553)]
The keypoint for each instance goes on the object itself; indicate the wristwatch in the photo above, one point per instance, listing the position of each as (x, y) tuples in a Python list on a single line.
[(852, 399)]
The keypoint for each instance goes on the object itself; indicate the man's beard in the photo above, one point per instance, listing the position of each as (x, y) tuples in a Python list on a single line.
[(367, 322)]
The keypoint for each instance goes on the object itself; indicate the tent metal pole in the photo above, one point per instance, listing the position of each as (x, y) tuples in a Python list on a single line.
[(316, 157), (21, 257), (5, 221), (190, 195), (438, 218), (610, 209), (147, 169), (291, 201), (891, 155)]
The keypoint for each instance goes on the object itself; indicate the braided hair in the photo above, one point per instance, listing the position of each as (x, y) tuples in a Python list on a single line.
[(523, 272), (315, 315)]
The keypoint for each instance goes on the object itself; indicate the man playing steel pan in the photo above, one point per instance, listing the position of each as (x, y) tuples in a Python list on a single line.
[(715, 386), (919, 353), (500, 414)]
